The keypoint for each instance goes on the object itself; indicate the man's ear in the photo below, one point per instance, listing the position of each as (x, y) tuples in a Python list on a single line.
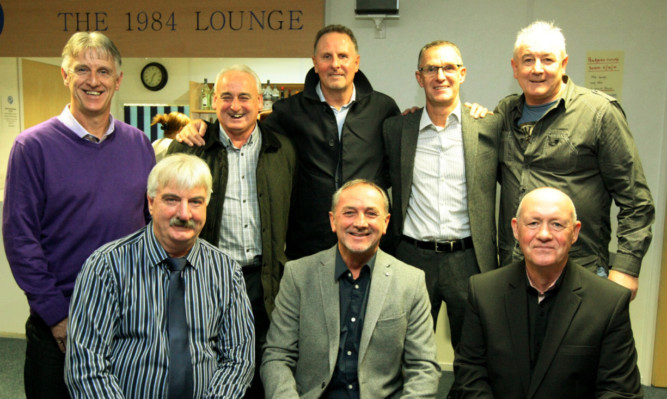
[(515, 228)]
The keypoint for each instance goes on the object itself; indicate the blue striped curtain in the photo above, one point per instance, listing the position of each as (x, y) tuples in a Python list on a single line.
[(141, 115)]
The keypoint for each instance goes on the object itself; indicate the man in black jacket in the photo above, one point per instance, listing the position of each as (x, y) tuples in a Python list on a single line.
[(335, 124)]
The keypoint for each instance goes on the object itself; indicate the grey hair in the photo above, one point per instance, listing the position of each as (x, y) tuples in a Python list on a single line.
[(240, 68), (183, 170), (335, 29), (356, 182), (540, 29), (96, 41), (439, 43)]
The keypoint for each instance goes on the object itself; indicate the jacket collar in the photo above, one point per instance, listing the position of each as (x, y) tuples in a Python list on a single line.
[(269, 139), (565, 99)]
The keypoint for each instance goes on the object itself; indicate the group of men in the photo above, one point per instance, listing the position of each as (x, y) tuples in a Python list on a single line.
[(188, 301)]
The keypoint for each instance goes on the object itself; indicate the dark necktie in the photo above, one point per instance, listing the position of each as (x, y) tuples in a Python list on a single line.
[(180, 363)]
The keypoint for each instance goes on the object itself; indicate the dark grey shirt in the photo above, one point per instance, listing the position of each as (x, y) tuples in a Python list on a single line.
[(353, 299)]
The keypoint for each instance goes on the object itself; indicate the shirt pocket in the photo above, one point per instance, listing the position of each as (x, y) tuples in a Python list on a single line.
[(555, 152)]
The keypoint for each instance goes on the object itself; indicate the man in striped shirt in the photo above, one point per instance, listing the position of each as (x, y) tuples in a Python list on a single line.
[(121, 321)]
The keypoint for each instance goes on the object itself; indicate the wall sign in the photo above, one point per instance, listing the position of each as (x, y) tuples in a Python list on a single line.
[(165, 28), (604, 72)]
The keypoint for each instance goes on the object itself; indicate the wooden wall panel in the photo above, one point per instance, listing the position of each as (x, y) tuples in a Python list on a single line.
[(165, 28), (44, 93)]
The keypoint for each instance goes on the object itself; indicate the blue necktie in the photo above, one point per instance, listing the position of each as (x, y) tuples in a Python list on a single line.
[(180, 363)]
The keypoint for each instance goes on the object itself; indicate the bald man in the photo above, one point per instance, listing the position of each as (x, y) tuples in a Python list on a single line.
[(544, 327)]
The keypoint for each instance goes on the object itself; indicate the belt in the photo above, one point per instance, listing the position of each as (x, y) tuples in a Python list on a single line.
[(441, 246)]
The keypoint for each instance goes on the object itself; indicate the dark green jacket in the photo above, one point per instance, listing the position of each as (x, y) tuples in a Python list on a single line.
[(275, 170), (583, 147)]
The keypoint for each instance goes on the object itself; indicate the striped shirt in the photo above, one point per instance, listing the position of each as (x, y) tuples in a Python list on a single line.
[(438, 204), (118, 344), (241, 227)]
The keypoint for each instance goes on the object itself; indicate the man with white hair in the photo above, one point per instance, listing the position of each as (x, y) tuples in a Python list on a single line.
[(161, 313), (562, 135), (253, 169)]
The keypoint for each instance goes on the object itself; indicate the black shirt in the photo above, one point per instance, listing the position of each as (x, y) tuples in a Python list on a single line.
[(538, 316), (353, 299)]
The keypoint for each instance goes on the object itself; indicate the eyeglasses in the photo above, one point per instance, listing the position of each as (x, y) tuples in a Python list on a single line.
[(432, 70)]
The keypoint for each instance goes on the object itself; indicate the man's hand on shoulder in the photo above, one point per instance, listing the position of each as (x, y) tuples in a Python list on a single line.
[(625, 280), (193, 133), (478, 111), (410, 110)]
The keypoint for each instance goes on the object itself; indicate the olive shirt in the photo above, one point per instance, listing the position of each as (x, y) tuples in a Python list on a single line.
[(583, 147)]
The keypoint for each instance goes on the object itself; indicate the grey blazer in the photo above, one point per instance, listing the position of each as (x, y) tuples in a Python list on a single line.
[(480, 152), (397, 349)]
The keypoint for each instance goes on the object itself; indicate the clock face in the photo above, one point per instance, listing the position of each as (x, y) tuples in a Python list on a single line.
[(154, 76)]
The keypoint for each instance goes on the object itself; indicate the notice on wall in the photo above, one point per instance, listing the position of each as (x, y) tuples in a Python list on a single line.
[(9, 112), (604, 72)]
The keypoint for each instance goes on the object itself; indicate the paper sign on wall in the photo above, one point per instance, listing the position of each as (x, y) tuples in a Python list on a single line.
[(604, 72)]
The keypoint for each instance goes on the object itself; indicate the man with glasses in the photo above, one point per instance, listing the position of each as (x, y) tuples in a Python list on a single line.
[(442, 165), (74, 182)]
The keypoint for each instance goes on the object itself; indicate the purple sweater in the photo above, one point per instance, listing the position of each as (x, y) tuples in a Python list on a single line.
[(64, 198)]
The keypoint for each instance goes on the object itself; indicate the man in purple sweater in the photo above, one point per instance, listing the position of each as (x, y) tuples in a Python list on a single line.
[(74, 183)]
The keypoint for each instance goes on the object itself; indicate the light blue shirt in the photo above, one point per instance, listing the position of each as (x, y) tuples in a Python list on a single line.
[(339, 114), (438, 204)]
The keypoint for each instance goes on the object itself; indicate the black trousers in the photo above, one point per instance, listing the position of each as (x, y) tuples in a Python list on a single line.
[(447, 277), (253, 282), (44, 372)]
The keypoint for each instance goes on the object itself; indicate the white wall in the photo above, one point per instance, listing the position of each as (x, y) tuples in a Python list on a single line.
[(485, 31)]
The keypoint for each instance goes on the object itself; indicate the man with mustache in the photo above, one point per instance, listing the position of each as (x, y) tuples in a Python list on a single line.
[(74, 183), (161, 313)]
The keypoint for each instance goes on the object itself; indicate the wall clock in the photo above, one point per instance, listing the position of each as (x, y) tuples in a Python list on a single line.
[(154, 76)]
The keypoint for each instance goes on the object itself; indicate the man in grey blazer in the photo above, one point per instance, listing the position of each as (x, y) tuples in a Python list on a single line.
[(352, 321), (442, 165), (544, 327)]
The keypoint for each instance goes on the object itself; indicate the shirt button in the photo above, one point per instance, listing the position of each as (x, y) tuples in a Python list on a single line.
[(356, 286), (350, 386), (331, 143), (353, 319), (349, 353)]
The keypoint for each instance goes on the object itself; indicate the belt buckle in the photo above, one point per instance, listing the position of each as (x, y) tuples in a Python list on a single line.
[(449, 243), (445, 250)]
